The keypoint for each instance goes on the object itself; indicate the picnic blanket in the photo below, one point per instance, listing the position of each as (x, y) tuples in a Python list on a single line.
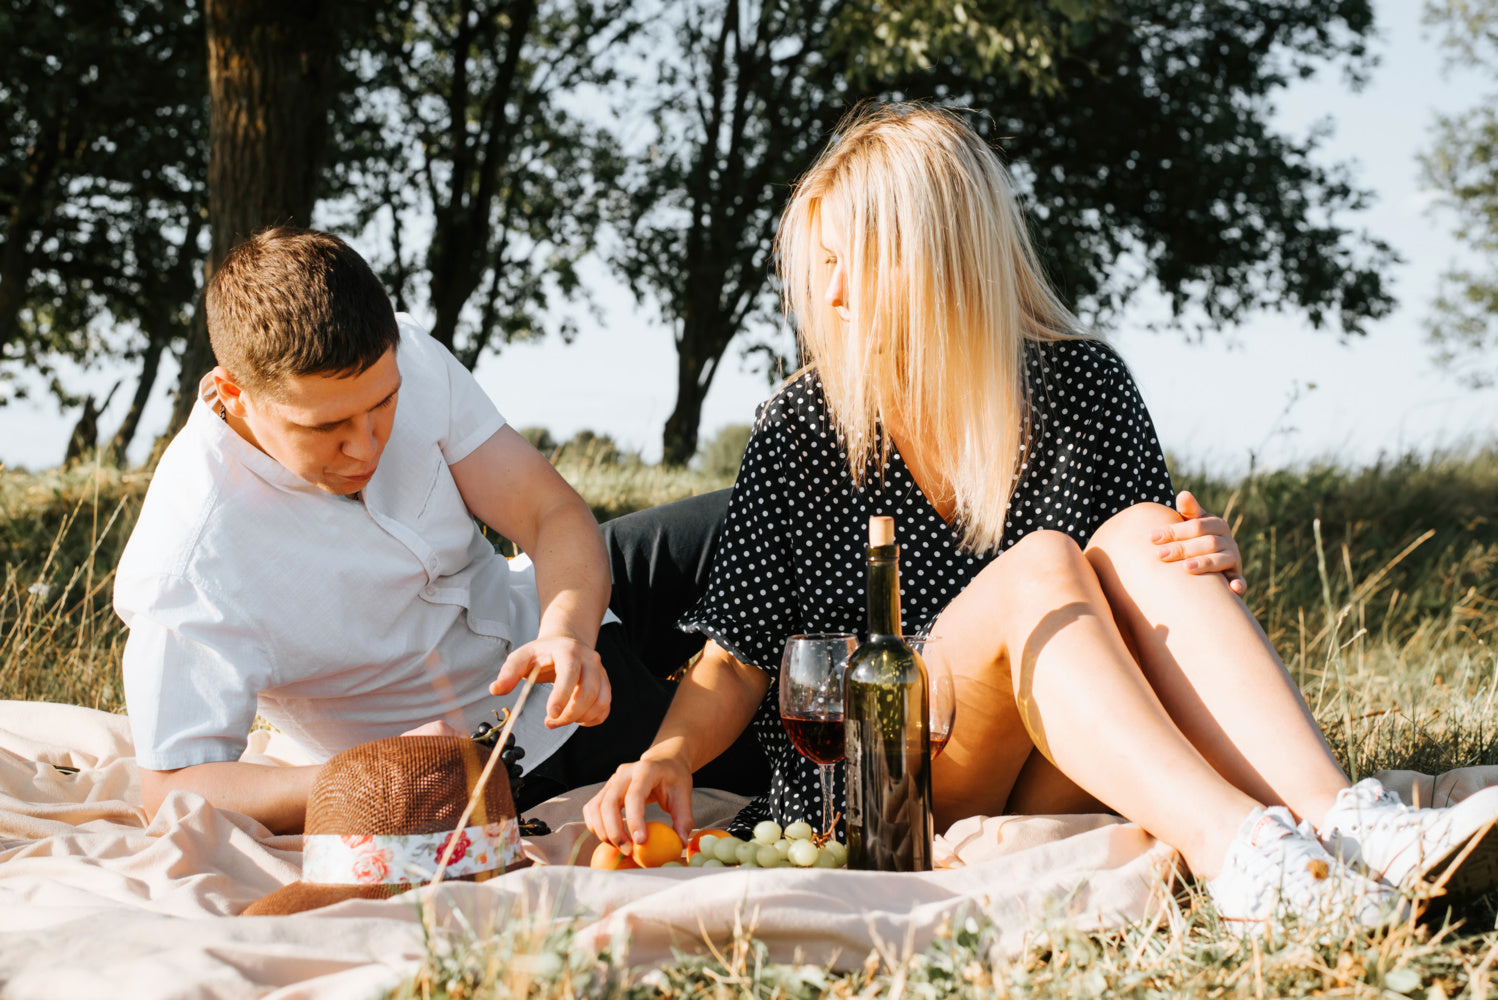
[(94, 901)]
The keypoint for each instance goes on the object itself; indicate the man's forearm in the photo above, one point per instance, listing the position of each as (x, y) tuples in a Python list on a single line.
[(572, 574), (273, 794)]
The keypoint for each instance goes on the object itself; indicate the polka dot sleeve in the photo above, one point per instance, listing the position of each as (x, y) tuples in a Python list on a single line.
[(749, 605), (1130, 466)]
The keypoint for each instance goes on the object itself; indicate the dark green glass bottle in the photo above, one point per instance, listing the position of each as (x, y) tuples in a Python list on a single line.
[(888, 742)]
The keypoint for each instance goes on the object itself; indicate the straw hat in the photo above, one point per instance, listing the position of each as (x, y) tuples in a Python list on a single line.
[(381, 814)]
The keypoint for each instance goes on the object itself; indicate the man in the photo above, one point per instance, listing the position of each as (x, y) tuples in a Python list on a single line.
[(308, 551)]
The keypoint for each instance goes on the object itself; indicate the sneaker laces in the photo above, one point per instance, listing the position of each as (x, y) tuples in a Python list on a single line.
[(1371, 826), (1275, 867)]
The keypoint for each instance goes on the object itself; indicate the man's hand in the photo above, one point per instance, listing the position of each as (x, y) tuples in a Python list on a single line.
[(580, 689), (616, 814), (1203, 541)]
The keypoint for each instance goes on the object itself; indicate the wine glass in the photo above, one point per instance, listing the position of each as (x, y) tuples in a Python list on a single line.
[(943, 696), (811, 702)]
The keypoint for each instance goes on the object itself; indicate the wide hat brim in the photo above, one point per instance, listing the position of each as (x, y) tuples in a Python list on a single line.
[(399, 787), (299, 896)]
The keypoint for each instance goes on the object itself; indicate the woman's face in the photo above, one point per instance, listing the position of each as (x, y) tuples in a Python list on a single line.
[(835, 246)]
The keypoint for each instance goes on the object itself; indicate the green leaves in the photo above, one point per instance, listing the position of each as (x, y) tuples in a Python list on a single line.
[(102, 176), (471, 152), (1462, 166)]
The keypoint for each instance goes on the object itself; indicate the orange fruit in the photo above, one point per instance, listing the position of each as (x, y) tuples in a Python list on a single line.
[(607, 857), (693, 845), (661, 845)]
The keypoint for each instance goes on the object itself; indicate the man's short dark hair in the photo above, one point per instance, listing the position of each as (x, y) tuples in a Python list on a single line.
[(289, 302)]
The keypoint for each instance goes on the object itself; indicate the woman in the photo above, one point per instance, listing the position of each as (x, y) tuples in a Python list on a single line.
[(947, 385)]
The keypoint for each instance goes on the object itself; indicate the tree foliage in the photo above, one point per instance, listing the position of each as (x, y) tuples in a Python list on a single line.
[(742, 95), (1155, 161), (473, 158), (1462, 166), (1138, 130), (102, 184)]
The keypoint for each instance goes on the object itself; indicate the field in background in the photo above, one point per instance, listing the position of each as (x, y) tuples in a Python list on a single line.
[(1379, 587)]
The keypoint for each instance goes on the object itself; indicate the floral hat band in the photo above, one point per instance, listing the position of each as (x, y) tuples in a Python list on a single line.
[(382, 814), (407, 858)]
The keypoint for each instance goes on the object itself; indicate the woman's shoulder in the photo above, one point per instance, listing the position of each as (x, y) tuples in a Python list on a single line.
[(1077, 361), (1084, 353), (798, 403)]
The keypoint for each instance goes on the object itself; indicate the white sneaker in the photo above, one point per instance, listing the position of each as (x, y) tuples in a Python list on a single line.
[(1273, 870), (1404, 846)]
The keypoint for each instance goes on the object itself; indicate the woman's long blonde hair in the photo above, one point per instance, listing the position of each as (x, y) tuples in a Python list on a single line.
[(944, 288)]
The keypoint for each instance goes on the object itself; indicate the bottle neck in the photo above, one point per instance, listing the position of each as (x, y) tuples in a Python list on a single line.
[(884, 590)]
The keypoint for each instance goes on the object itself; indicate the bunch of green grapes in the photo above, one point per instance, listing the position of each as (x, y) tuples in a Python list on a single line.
[(797, 846)]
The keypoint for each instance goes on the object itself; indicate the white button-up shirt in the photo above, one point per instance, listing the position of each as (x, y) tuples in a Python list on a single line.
[(247, 589)]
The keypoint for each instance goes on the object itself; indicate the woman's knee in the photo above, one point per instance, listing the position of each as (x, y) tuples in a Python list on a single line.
[(1042, 560), (1133, 526)]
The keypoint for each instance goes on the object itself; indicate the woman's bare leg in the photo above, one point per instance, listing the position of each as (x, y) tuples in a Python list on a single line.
[(1042, 790), (1039, 663), (1214, 669)]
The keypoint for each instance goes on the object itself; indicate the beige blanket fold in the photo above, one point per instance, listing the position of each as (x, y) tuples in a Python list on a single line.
[(96, 902)]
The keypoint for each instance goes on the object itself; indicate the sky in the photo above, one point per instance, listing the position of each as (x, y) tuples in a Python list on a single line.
[(1272, 392)]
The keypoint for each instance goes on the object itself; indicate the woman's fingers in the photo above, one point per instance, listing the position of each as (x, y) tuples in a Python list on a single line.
[(604, 814), (1193, 548), (617, 812)]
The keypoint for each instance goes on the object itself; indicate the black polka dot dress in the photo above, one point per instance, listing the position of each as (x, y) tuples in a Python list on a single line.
[(793, 557)]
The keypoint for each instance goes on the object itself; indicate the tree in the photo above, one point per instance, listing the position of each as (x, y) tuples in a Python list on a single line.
[(736, 115), (467, 130), (102, 184), (1138, 130), (1463, 167), (271, 80), (1154, 160)]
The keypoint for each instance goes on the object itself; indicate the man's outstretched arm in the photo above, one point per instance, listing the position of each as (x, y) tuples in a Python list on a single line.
[(274, 794)]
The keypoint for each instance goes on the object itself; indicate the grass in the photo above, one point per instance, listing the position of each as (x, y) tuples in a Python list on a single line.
[(1378, 586)]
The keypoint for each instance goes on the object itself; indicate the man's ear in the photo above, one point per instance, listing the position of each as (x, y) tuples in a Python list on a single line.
[(230, 392)]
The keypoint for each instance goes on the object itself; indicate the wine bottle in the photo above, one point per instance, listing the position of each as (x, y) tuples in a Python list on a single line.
[(887, 739)]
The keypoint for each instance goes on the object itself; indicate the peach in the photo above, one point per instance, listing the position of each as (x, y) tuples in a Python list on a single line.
[(694, 845), (661, 845), (607, 857)]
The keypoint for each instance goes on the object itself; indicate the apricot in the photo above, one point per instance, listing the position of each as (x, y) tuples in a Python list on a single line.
[(661, 845), (695, 844), (607, 857)]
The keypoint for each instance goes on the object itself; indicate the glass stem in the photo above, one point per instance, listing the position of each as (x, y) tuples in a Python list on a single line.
[(824, 772)]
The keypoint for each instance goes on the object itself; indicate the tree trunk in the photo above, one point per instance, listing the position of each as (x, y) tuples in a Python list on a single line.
[(705, 335), (679, 442), (462, 228), (271, 74), (150, 367)]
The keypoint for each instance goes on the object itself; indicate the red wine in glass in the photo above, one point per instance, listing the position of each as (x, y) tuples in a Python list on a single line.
[(818, 739), (811, 702)]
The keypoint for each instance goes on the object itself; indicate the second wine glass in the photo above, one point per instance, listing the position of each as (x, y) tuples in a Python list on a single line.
[(943, 694), (811, 702)]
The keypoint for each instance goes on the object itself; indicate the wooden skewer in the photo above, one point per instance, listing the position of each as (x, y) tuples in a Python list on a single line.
[(478, 788)]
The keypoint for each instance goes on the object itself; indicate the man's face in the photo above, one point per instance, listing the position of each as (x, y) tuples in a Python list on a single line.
[(327, 430)]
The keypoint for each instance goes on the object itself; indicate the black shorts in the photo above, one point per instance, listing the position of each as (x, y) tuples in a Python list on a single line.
[(659, 560)]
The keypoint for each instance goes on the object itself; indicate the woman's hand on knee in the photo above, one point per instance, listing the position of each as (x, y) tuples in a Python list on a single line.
[(617, 812), (1203, 542)]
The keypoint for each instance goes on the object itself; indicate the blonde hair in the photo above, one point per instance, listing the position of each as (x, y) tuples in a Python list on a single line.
[(945, 289)]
